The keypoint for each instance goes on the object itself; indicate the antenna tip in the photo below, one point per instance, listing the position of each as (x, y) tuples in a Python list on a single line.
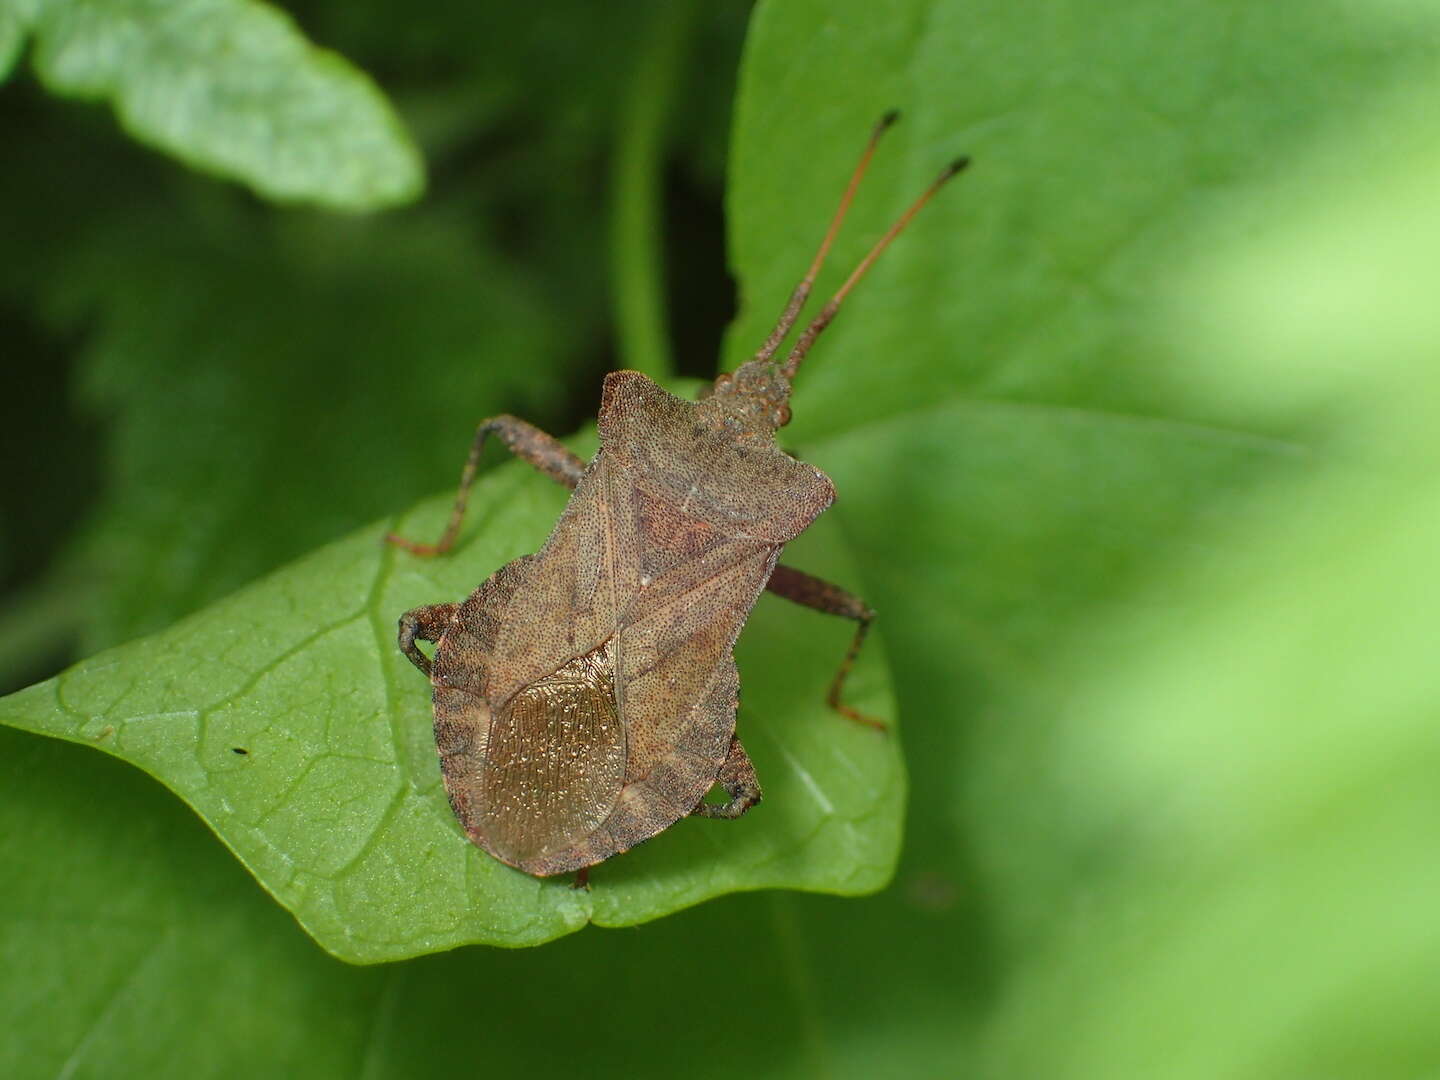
[(960, 164), (886, 120)]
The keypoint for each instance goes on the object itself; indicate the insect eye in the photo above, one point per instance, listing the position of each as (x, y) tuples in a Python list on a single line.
[(782, 416)]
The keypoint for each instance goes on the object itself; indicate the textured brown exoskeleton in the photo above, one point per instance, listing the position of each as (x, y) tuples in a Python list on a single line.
[(585, 696)]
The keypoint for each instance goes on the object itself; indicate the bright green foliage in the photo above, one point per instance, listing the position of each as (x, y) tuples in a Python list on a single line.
[(229, 86), (1134, 435)]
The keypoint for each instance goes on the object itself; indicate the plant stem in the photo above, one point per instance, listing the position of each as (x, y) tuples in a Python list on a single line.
[(637, 249)]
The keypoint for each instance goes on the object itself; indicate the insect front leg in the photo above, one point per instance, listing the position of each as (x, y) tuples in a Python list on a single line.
[(527, 442), (737, 777), (423, 624), (813, 592)]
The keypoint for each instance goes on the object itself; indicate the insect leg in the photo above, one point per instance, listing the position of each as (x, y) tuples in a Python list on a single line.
[(813, 592), (527, 442), (737, 777), (423, 624)]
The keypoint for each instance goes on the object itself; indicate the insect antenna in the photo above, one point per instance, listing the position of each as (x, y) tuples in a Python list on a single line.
[(821, 321), (802, 291)]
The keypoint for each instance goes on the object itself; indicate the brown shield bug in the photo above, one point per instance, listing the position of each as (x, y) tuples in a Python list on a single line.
[(585, 696)]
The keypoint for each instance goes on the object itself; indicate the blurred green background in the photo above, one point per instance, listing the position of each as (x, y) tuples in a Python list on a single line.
[(1134, 436)]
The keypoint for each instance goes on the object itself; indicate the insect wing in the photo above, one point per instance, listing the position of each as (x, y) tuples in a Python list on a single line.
[(554, 762)]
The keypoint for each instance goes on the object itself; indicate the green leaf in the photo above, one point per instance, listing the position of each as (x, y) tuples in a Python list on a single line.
[(168, 959), (187, 968), (1261, 776), (287, 718), (231, 87)]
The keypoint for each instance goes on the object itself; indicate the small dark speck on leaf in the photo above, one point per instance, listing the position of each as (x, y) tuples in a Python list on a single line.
[(239, 750)]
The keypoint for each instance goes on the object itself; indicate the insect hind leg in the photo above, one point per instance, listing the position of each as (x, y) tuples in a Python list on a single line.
[(737, 777), (813, 592)]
